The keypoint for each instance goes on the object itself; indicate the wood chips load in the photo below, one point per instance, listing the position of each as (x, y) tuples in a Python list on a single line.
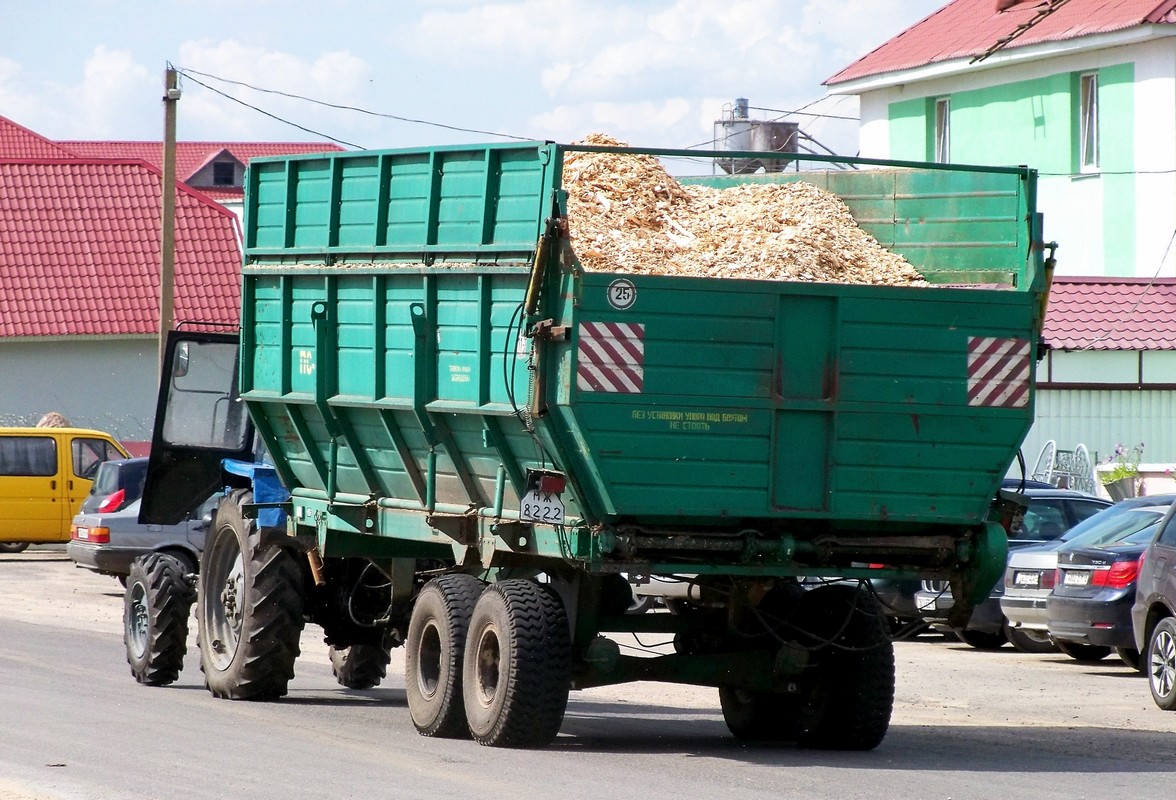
[(627, 214)]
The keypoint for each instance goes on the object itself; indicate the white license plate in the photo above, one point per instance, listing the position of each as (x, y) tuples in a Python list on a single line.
[(1076, 578), (1028, 579), (82, 533), (539, 507)]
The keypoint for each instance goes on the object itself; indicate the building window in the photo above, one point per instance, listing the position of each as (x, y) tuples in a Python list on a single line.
[(1088, 123), (943, 130), (224, 173)]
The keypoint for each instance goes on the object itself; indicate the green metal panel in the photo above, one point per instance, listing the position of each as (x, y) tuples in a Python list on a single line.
[(477, 203)]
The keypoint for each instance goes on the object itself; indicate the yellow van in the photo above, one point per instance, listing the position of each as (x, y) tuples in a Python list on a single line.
[(45, 473)]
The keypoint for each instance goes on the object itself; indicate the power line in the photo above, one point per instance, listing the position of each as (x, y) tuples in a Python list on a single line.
[(268, 114), (356, 109), (804, 113)]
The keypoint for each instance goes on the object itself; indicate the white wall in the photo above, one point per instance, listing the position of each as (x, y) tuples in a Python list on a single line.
[(1073, 206), (105, 384)]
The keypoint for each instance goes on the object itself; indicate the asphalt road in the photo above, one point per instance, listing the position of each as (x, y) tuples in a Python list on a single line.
[(967, 724)]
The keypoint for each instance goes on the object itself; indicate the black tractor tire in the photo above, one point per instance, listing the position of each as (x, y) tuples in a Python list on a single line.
[(1026, 640), (249, 608), (433, 654), (360, 666), (517, 667), (1160, 663), (1083, 652), (982, 640), (847, 693), (13, 547), (156, 605)]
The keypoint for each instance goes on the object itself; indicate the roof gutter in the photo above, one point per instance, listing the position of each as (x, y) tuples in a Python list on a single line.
[(1138, 34)]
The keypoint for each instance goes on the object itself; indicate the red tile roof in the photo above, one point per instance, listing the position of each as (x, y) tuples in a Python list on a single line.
[(191, 156), (17, 141), (968, 28), (79, 250), (1112, 314)]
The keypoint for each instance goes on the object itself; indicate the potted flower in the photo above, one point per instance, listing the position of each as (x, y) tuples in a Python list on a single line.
[(1122, 478)]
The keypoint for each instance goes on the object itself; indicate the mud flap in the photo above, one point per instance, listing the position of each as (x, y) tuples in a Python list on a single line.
[(986, 567)]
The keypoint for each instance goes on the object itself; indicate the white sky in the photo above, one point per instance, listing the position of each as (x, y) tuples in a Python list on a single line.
[(655, 73)]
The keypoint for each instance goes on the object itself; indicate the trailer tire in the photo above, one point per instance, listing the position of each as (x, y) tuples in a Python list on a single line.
[(433, 654), (847, 694), (360, 666), (517, 667), (249, 608), (755, 716), (156, 605)]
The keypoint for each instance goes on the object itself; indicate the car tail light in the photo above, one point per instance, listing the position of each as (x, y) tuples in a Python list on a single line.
[(113, 502), (1049, 578), (1121, 574), (92, 534)]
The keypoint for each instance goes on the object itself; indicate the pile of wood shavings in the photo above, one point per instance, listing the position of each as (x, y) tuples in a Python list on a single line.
[(627, 214)]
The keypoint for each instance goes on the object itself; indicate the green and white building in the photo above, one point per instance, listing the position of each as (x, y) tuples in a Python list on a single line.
[(1084, 91)]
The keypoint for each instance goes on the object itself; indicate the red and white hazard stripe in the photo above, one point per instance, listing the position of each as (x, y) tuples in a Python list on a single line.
[(998, 372), (611, 357)]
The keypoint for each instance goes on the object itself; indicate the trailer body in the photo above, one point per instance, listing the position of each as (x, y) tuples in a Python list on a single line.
[(439, 381)]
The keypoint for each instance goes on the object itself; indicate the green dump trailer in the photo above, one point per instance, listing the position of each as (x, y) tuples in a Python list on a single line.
[(476, 446)]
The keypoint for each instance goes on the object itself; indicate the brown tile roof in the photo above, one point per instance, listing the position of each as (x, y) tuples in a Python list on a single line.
[(1112, 314), (80, 250), (17, 141), (968, 28), (191, 156)]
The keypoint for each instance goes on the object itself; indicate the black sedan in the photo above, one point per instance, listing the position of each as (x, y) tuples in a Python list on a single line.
[(1089, 609)]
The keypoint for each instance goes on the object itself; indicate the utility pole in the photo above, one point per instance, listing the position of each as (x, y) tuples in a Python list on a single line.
[(167, 257)]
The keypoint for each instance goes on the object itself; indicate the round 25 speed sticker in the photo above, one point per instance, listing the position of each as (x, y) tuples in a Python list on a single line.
[(622, 294)]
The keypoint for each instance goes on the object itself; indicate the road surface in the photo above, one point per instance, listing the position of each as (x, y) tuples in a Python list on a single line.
[(967, 724)]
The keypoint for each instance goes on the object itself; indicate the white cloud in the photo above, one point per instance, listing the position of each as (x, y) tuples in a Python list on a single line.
[(853, 28), (112, 90), (589, 57), (336, 77), (113, 87)]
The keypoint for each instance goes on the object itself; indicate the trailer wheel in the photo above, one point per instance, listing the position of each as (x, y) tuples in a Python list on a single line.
[(517, 668), (360, 666), (433, 654), (757, 716), (156, 606), (249, 608), (847, 695)]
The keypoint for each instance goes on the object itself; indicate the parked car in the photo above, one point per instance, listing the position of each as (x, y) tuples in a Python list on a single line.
[(1048, 514), (1031, 571), (1089, 609), (107, 543), (116, 485), (1153, 616), (44, 475)]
